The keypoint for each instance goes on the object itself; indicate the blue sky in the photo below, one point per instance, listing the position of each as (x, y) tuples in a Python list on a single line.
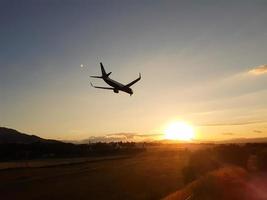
[(195, 58)]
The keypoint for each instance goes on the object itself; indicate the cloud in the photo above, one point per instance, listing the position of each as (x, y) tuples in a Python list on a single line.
[(257, 131), (234, 123), (124, 137), (259, 70), (228, 133)]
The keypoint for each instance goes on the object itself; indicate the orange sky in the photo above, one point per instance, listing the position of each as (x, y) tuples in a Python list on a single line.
[(203, 63)]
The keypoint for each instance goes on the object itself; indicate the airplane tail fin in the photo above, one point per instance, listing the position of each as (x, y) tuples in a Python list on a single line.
[(104, 73), (103, 69)]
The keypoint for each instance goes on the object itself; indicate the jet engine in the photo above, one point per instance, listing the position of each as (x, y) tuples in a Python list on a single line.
[(116, 91)]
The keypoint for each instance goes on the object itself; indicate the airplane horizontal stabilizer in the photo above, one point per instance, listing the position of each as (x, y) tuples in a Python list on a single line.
[(96, 76)]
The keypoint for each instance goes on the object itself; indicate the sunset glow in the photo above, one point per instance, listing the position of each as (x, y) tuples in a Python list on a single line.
[(179, 131), (221, 88)]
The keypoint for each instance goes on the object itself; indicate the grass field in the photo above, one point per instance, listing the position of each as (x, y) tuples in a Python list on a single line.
[(152, 174)]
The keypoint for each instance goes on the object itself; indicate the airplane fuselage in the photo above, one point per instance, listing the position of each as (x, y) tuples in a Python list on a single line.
[(117, 86)]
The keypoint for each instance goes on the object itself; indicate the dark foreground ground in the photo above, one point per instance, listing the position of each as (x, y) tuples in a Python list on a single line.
[(171, 172), (153, 174)]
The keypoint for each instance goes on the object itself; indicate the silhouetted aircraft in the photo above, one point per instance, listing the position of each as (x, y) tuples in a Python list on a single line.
[(115, 86)]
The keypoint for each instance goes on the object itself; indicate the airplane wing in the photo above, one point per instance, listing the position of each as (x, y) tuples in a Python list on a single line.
[(106, 88), (133, 82)]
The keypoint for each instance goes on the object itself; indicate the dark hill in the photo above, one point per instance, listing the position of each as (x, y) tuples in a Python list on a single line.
[(8, 135), (19, 146)]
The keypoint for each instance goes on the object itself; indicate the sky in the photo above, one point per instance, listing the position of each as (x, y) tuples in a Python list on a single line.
[(203, 62)]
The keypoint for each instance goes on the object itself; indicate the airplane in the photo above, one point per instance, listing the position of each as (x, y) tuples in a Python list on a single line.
[(115, 86)]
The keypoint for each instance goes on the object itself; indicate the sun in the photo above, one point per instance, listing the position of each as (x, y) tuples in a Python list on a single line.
[(179, 131)]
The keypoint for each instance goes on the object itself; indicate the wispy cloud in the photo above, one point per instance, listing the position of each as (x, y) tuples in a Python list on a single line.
[(227, 133), (257, 131), (259, 70), (234, 123), (130, 137)]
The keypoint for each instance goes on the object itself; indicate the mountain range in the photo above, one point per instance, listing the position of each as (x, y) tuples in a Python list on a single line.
[(8, 135)]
